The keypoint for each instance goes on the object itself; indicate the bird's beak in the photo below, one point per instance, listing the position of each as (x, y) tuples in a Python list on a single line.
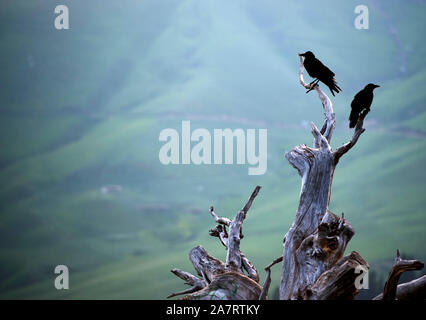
[(376, 86), (301, 54)]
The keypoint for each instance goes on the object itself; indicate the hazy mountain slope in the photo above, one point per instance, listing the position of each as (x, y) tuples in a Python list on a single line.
[(82, 109)]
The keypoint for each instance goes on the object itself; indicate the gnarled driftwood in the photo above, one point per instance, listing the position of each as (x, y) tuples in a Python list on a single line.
[(413, 290), (317, 239), (313, 265), (218, 280)]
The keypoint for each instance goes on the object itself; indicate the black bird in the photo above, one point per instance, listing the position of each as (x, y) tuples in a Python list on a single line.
[(320, 72), (362, 101)]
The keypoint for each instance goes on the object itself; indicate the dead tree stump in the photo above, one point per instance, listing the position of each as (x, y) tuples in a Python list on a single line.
[(313, 262), (236, 279), (313, 265)]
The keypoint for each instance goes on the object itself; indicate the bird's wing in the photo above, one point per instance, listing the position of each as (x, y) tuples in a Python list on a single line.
[(369, 100), (325, 71), (359, 95), (362, 100), (355, 104)]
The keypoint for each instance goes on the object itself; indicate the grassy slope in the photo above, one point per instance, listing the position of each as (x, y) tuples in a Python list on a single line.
[(69, 133)]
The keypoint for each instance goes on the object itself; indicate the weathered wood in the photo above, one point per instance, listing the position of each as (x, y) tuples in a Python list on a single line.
[(220, 220), (220, 232), (317, 169), (330, 118), (413, 290), (189, 278), (249, 267), (321, 251), (228, 286), (317, 238), (338, 283), (400, 266), (357, 133), (223, 280), (233, 257), (196, 283), (267, 283), (313, 265), (206, 266)]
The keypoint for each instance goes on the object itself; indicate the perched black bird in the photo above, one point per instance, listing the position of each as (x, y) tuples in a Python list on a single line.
[(362, 101), (320, 72)]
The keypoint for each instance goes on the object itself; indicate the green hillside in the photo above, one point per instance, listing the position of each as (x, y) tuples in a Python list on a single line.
[(81, 110)]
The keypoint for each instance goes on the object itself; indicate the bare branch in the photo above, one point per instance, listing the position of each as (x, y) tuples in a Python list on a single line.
[(249, 267), (220, 232), (357, 133), (319, 140), (413, 290), (189, 290), (190, 279), (233, 257), (301, 68), (277, 260), (400, 266), (330, 118), (229, 286), (265, 289), (220, 220), (250, 200)]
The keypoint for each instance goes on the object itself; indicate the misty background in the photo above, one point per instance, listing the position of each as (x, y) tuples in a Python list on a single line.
[(81, 111)]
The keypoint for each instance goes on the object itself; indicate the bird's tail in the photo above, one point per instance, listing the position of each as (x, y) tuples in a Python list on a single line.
[(333, 86), (353, 119)]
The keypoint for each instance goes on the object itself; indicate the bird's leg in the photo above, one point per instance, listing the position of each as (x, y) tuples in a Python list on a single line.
[(310, 84), (313, 84)]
